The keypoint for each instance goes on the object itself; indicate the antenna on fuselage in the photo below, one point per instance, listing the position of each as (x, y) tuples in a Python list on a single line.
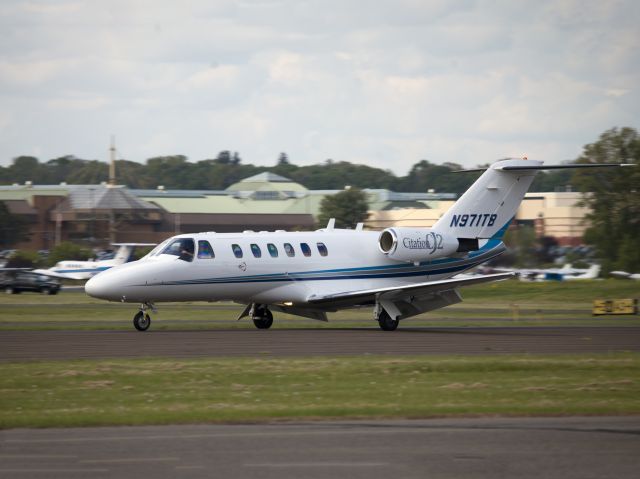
[(331, 224)]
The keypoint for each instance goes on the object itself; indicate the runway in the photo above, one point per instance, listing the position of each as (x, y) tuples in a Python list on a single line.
[(59, 345), (571, 448)]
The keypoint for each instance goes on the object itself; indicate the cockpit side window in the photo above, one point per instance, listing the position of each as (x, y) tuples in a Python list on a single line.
[(183, 248), (205, 251)]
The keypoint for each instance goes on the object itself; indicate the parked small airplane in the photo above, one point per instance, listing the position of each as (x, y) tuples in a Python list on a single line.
[(625, 275), (566, 273), (400, 272), (71, 269)]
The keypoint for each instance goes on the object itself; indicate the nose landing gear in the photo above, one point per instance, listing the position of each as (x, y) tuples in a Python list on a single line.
[(142, 320)]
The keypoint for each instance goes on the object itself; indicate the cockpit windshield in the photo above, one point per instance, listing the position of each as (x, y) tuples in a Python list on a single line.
[(183, 248), (156, 251)]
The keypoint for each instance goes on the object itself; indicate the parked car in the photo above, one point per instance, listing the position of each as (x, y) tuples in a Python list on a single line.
[(17, 281)]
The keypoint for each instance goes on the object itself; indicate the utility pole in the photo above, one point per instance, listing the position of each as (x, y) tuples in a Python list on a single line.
[(112, 163), (112, 184)]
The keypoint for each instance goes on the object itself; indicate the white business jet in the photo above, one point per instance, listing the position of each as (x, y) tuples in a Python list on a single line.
[(72, 269), (400, 272)]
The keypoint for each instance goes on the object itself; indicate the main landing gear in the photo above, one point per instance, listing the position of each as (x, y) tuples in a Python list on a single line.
[(142, 320), (261, 316), (386, 322)]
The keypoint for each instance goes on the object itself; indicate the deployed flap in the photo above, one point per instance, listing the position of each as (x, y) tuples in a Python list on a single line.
[(301, 311), (403, 306), (353, 298)]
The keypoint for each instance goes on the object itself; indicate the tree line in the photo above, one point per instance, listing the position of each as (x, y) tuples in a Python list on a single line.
[(614, 196), (176, 172)]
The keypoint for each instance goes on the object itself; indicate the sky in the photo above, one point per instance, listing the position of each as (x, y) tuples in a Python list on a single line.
[(385, 83)]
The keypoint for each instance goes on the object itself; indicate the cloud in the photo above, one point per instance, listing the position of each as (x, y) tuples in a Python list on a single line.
[(385, 83)]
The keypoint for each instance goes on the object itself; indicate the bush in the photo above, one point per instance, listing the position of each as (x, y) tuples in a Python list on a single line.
[(24, 259), (68, 251)]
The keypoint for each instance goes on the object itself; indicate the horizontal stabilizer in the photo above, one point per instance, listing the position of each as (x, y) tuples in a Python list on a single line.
[(563, 167), (548, 167)]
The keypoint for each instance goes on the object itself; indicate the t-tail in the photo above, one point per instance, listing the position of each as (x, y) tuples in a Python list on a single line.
[(486, 209), (125, 251), (479, 217)]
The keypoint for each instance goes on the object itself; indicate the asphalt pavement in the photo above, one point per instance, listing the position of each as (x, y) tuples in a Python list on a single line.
[(567, 448), (46, 345)]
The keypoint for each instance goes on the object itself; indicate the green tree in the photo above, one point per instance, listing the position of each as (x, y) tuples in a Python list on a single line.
[(283, 160), (425, 176), (68, 251), (336, 175), (285, 168), (551, 180), (24, 259), (13, 228), (522, 241), (88, 172), (349, 207), (614, 198)]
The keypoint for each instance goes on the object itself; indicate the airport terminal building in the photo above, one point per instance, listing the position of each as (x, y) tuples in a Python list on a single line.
[(96, 215)]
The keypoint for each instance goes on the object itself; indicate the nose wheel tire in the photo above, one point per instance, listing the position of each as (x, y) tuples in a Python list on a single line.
[(141, 321), (263, 319), (386, 322)]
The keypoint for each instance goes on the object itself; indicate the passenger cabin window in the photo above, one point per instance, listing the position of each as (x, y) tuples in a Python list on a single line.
[(237, 251), (322, 249), (305, 249), (183, 248), (273, 251), (205, 251), (289, 250), (255, 249)]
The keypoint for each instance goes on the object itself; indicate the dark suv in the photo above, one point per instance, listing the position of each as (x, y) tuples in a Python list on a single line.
[(16, 282)]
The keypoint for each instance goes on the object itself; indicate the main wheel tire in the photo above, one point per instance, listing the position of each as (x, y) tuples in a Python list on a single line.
[(45, 291), (141, 321), (386, 323), (264, 320)]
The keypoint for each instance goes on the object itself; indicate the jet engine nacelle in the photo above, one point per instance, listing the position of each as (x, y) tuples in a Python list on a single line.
[(417, 244)]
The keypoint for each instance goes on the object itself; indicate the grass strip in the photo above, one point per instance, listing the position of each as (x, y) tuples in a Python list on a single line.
[(160, 391), (510, 302)]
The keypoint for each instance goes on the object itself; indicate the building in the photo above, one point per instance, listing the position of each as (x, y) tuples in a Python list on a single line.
[(554, 214), (97, 215)]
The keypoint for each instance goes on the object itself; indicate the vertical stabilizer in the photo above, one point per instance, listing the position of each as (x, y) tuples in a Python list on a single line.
[(489, 205), (124, 253)]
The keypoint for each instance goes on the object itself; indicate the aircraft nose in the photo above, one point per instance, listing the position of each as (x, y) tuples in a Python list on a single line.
[(101, 286)]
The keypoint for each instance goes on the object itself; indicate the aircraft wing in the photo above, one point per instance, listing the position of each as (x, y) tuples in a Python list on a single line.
[(407, 300)]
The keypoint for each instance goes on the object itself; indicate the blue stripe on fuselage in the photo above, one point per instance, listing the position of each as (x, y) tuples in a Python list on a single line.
[(436, 267), (84, 270)]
